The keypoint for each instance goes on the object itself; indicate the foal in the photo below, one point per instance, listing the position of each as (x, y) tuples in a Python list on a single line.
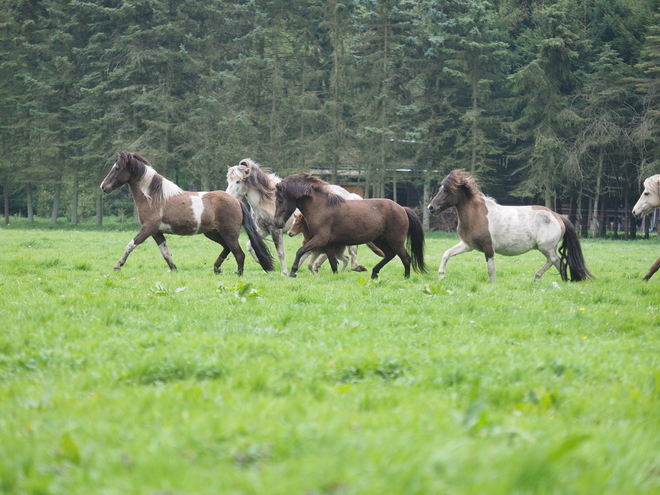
[(299, 226)]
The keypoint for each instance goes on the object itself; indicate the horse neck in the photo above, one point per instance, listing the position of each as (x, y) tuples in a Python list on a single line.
[(471, 210), (140, 189)]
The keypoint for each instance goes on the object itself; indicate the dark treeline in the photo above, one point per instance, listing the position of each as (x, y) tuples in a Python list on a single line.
[(554, 102)]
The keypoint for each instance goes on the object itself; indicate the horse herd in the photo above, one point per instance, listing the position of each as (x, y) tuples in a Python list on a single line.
[(332, 221)]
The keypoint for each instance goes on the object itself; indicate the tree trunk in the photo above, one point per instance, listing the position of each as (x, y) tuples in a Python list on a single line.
[(74, 200), (594, 219), (426, 198), (99, 208), (56, 203), (602, 220), (395, 196), (30, 204), (5, 188)]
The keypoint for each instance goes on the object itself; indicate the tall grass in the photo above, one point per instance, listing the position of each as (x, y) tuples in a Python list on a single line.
[(151, 381)]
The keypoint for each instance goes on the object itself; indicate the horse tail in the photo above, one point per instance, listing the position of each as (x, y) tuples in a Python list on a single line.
[(416, 241), (258, 244), (570, 253)]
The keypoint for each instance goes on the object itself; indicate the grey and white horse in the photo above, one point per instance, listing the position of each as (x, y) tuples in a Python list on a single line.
[(647, 202)]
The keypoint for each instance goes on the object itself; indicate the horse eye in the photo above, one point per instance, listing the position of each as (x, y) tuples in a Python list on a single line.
[(646, 193)]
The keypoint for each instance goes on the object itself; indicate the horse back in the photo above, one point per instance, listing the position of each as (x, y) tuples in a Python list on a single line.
[(359, 222)]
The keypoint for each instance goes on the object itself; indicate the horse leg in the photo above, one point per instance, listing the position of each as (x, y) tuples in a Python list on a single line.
[(654, 268), (135, 242), (389, 255), (216, 237), (352, 251), (162, 245), (313, 244), (314, 265), (332, 259), (339, 252), (277, 236), (490, 265), (552, 258), (459, 248)]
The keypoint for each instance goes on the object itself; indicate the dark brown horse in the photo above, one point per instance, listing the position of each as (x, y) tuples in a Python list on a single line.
[(334, 221), (163, 207)]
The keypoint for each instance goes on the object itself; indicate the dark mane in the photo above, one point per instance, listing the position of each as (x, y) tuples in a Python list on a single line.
[(299, 185), (460, 178), (134, 162), (258, 178)]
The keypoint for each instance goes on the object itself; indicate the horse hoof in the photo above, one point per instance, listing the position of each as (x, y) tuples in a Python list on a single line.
[(441, 276), (359, 268), (117, 268), (292, 275)]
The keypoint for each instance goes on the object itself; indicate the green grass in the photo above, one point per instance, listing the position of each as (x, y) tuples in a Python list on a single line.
[(147, 381)]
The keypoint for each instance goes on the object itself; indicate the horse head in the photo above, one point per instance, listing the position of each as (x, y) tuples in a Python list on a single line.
[(650, 198), (237, 180), (458, 181), (122, 171), (297, 225)]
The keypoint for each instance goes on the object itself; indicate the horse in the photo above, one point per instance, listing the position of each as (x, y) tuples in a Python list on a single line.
[(163, 207), (299, 226), (647, 202), (491, 228), (257, 185), (332, 221)]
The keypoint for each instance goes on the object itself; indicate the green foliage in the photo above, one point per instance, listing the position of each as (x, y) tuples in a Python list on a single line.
[(120, 382), (504, 89)]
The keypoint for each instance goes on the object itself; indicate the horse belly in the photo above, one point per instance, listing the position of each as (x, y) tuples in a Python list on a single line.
[(183, 215), (523, 229)]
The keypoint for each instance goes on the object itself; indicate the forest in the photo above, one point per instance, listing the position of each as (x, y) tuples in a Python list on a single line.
[(547, 102)]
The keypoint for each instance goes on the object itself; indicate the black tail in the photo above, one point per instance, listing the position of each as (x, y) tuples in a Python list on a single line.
[(260, 248), (416, 241), (570, 253)]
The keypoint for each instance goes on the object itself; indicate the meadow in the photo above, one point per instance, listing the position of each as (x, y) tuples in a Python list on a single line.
[(146, 381)]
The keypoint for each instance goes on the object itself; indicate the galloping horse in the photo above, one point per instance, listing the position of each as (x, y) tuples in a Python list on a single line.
[(491, 228), (334, 221), (649, 200), (248, 180), (163, 207)]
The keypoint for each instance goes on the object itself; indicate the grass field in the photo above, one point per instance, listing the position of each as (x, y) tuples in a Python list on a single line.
[(147, 381)]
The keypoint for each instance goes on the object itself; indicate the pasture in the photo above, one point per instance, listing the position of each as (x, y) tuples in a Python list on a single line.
[(146, 381)]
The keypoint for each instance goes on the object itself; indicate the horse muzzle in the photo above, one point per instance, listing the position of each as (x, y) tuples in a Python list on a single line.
[(106, 188), (279, 224)]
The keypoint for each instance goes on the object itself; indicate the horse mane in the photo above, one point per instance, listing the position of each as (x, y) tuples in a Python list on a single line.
[(461, 178), (261, 179), (299, 185), (156, 188), (654, 180)]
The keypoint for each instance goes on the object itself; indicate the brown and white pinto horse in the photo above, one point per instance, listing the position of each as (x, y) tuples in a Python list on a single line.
[(647, 202), (334, 221), (163, 207), (491, 228)]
